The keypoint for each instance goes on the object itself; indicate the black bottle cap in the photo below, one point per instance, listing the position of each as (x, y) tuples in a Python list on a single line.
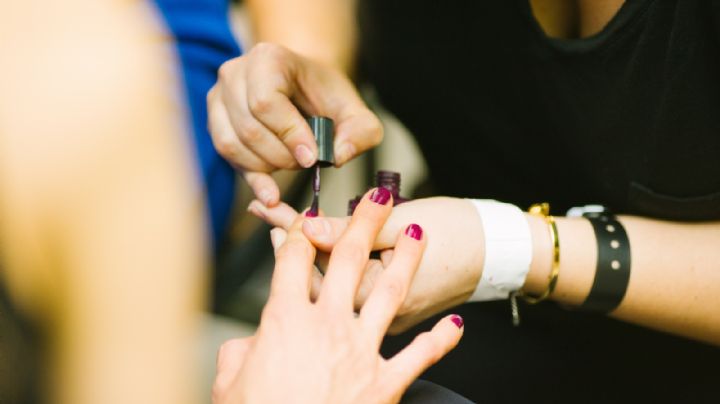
[(324, 131)]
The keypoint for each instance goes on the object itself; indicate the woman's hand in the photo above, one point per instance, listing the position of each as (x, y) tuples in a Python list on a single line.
[(255, 115), (450, 268), (307, 352)]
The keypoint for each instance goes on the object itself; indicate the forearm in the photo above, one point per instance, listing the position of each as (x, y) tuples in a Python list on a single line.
[(324, 30), (674, 281)]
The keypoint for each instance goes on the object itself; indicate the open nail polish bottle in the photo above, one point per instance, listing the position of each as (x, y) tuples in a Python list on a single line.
[(389, 180)]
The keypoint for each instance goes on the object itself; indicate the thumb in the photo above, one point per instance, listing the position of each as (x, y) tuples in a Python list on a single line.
[(230, 359), (357, 134)]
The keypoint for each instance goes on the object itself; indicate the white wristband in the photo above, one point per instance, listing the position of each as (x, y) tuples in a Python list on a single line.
[(508, 250)]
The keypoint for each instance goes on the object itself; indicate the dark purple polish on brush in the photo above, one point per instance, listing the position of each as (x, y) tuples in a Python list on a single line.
[(323, 130), (315, 206)]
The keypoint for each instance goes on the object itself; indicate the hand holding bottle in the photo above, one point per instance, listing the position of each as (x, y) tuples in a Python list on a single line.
[(256, 122)]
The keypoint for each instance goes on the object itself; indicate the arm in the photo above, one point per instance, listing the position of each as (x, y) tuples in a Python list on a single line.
[(323, 30), (100, 221), (674, 281)]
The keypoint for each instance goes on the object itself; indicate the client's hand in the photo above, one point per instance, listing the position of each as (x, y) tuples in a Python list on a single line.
[(255, 119), (305, 352), (451, 265)]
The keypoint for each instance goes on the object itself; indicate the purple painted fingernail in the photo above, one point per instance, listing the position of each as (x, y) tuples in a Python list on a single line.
[(457, 320), (380, 196), (414, 231), (310, 213)]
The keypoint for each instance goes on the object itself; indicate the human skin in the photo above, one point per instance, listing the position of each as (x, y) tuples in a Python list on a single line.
[(101, 223), (674, 282), (319, 349), (255, 115)]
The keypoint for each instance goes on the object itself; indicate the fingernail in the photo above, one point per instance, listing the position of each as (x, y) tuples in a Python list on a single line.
[(457, 320), (310, 213), (257, 209), (265, 196), (304, 156), (380, 196), (274, 237), (414, 231), (346, 151)]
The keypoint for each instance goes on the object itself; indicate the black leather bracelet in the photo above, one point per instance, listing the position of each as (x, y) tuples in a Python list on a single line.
[(613, 264)]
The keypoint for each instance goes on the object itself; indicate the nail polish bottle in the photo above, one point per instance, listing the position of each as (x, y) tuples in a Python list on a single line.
[(353, 203), (389, 180)]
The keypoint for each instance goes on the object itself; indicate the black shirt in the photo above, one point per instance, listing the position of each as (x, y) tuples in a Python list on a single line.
[(629, 118)]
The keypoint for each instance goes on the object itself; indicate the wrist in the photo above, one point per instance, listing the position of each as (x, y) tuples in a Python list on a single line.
[(578, 255), (507, 250), (541, 263)]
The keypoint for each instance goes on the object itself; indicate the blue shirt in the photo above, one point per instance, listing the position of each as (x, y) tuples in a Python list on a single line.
[(203, 41)]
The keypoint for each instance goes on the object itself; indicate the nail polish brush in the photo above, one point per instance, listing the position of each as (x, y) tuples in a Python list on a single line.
[(323, 130)]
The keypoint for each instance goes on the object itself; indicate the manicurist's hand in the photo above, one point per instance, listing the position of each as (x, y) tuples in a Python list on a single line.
[(255, 115), (322, 351), (451, 265)]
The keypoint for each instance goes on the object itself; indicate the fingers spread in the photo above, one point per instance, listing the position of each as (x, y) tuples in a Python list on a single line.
[(317, 278), (371, 275), (391, 289), (425, 350), (351, 253)]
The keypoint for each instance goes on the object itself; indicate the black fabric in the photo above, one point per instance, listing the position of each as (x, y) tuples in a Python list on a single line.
[(628, 118), (424, 392)]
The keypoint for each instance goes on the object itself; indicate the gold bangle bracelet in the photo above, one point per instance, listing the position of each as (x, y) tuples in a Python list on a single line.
[(543, 210)]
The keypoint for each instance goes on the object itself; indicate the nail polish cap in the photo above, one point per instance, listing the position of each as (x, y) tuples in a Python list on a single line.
[(324, 131), (389, 180)]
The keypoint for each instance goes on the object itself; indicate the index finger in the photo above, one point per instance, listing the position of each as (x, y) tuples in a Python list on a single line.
[(293, 266), (269, 94)]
